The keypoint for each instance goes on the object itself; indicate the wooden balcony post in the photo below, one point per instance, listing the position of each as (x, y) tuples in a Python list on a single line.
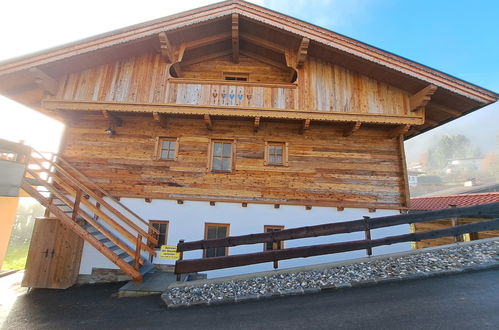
[(181, 256), (367, 231)]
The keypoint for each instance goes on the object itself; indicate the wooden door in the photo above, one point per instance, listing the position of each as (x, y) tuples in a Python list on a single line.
[(54, 256)]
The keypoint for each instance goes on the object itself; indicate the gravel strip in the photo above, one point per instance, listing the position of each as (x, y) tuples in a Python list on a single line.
[(434, 262)]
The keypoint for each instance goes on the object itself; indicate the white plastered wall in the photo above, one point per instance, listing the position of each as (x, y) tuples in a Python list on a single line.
[(187, 221)]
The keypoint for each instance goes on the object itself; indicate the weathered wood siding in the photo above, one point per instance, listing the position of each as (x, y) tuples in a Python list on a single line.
[(258, 71), (361, 170), (330, 87), (321, 86)]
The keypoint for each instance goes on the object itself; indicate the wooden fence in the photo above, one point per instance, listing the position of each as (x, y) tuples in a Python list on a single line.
[(366, 224)]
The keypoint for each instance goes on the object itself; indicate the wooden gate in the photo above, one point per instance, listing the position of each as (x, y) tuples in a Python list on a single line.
[(54, 256)]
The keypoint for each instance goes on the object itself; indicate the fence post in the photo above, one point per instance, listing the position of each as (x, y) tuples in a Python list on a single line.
[(454, 223), (367, 232), (180, 257), (274, 248)]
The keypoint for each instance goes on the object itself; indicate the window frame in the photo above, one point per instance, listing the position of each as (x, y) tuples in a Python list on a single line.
[(217, 224), (265, 227), (167, 222), (232, 155), (285, 162), (238, 76), (159, 148)]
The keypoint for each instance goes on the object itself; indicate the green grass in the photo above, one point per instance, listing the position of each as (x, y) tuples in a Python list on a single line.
[(16, 256)]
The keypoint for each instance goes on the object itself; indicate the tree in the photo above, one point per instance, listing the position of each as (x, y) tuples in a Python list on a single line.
[(448, 148)]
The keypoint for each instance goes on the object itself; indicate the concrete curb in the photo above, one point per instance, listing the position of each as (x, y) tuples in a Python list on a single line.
[(329, 288)]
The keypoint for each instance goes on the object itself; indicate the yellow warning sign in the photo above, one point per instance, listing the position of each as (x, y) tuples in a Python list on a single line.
[(169, 252)]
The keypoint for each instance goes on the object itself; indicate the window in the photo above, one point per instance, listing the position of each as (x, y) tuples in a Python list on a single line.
[(276, 153), (221, 156), (167, 148), (214, 231), (269, 245), (162, 227), (237, 76)]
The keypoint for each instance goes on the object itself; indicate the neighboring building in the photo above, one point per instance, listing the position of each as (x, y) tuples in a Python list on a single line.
[(233, 119), (429, 203)]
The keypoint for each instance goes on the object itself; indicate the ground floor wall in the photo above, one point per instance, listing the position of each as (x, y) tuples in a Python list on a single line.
[(187, 221)]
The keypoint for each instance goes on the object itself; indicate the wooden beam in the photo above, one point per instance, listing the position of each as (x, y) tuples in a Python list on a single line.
[(207, 57), (235, 38), (159, 118), (302, 52), (44, 81), (352, 128), (208, 122), (200, 110), (306, 126), (449, 111), (263, 59), (399, 130), (112, 118), (421, 98), (208, 40), (165, 47), (263, 42), (256, 125)]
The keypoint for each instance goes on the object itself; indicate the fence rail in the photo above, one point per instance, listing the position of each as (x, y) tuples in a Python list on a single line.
[(194, 265)]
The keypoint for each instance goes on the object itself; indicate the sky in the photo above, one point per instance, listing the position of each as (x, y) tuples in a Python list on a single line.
[(457, 37)]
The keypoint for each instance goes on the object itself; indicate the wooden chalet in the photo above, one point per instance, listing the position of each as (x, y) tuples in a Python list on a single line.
[(227, 119)]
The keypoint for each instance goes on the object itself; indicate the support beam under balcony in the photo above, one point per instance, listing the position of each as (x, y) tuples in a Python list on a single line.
[(159, 118), (115, 120), (399, 130), (352, 128), (208, 122), (256, 125)]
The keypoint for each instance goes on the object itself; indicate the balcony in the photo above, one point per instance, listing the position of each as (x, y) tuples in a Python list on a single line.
[(233, 94)]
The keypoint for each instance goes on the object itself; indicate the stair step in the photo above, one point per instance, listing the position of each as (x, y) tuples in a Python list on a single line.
[(146, 268)]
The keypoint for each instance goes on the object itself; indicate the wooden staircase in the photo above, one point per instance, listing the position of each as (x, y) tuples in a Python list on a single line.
[(91, 212)]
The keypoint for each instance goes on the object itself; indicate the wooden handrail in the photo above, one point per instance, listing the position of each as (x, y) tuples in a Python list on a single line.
[(194, 265), (105, 193), (486, 210), (99, 199), (60, 195)]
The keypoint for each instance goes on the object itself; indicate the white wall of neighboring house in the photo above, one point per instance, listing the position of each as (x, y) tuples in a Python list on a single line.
[(187, 221)]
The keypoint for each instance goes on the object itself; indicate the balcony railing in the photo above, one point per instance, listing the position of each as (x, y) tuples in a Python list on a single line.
[(233, 94)]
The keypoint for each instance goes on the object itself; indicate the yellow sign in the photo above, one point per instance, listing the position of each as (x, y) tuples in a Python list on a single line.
[(169, 252)]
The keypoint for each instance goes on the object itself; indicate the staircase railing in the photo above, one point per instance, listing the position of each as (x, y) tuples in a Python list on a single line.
[(85, 201)]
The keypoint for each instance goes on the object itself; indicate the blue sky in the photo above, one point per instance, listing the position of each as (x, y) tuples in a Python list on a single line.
[(458, 37)]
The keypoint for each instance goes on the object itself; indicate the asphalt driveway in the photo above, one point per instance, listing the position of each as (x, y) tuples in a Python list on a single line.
[(464, 301)]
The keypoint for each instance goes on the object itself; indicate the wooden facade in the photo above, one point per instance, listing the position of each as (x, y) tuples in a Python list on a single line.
[(237, 76), (324, 167)]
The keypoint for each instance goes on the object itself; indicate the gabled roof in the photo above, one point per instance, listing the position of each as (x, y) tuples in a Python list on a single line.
[(444, 202), (266, 33)]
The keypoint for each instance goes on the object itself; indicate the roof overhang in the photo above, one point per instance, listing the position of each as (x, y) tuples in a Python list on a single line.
[(20, 77)]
